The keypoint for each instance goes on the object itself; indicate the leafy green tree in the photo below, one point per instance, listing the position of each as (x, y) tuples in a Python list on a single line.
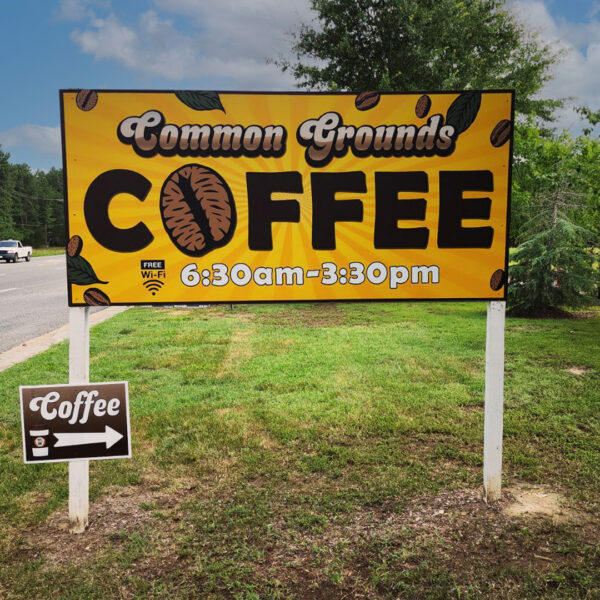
[(6, 220), (44, 202), (555, 220), (554, 177), (24, 205), (408, 45), (56, 221), (31, 204), (593, 118)]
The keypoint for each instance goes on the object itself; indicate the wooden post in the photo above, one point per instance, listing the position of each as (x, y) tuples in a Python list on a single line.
[(494, 401), (79, 372)]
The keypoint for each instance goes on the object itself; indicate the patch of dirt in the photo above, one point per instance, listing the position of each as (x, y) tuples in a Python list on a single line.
[(589, 314), (319, 315), (112, 520), (546, 313), (456, 528), (237, 312), (578, 370), (32, 499), (540, 500), (525, 328)]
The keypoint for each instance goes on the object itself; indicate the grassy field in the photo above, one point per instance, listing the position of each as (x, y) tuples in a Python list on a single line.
[(48, 251), (316, 452)]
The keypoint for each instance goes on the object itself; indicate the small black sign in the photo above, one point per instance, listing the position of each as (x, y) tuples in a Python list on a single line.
[(153, 265), (70, 422)]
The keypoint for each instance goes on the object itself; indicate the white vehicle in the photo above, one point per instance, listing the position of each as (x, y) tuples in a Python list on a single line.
[(13, 250)]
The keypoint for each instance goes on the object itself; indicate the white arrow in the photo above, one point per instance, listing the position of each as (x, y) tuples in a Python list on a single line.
[(110, 437)]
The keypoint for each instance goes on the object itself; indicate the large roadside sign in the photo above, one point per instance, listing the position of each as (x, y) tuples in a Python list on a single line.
[(182, 197), (70, 422)]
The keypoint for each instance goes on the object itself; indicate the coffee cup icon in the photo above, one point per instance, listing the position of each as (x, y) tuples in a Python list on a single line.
[(39, 442)]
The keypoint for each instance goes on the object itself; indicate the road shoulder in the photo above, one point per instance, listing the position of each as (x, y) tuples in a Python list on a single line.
[(38, 344)]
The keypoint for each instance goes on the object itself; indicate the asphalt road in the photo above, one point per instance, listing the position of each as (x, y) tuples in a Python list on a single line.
[(33, 299)]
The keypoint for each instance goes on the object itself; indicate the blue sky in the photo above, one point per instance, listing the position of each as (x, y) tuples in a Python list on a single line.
[(204, 44)]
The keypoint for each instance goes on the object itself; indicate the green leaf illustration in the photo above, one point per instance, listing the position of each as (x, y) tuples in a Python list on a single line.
[(200, 100), (463, 111), (80, 272)]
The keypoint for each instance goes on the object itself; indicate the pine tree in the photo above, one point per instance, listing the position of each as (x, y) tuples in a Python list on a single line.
[(554, 268), (556, 265)]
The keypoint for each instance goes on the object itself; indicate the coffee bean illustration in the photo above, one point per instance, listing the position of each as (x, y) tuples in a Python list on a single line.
[(197, 209), (497, 279), (501, 133), (423, 106), (366, 100), (74, 246), (86, 99), (95, 297)]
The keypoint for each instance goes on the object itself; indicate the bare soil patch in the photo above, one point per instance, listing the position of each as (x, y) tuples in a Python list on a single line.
[(556, 313), (112, 520), (322, 315), (524, 328), (546, 313), (587, 314), (531, 501), (468, 537), (578, 370)]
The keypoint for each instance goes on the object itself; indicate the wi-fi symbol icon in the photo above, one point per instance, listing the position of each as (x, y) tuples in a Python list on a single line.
[(153, 285)]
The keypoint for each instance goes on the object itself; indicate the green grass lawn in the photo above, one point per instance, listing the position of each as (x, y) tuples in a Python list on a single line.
[(48, 251), (315, 451)]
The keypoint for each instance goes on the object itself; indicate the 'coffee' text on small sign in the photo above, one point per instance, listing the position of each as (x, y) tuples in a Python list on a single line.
[(71, 422)]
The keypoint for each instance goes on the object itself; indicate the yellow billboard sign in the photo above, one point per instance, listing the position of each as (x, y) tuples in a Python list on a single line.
[(182, 197)]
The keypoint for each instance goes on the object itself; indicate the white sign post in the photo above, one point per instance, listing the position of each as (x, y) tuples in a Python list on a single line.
[(79, 372), (494, 401)]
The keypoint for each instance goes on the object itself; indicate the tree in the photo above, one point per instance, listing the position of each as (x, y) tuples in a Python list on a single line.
[(31, 204), (24, 205), (6, 221), (56, 222), (556, 222), (408, 45), (593, 118), (554, 176), (554, 268)]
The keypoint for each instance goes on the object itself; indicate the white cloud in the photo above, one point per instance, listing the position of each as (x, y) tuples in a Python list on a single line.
[(76, 10), (255, 29), (232, 42), (576, 75), (109, 39), (228, 41), (37, 137)]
